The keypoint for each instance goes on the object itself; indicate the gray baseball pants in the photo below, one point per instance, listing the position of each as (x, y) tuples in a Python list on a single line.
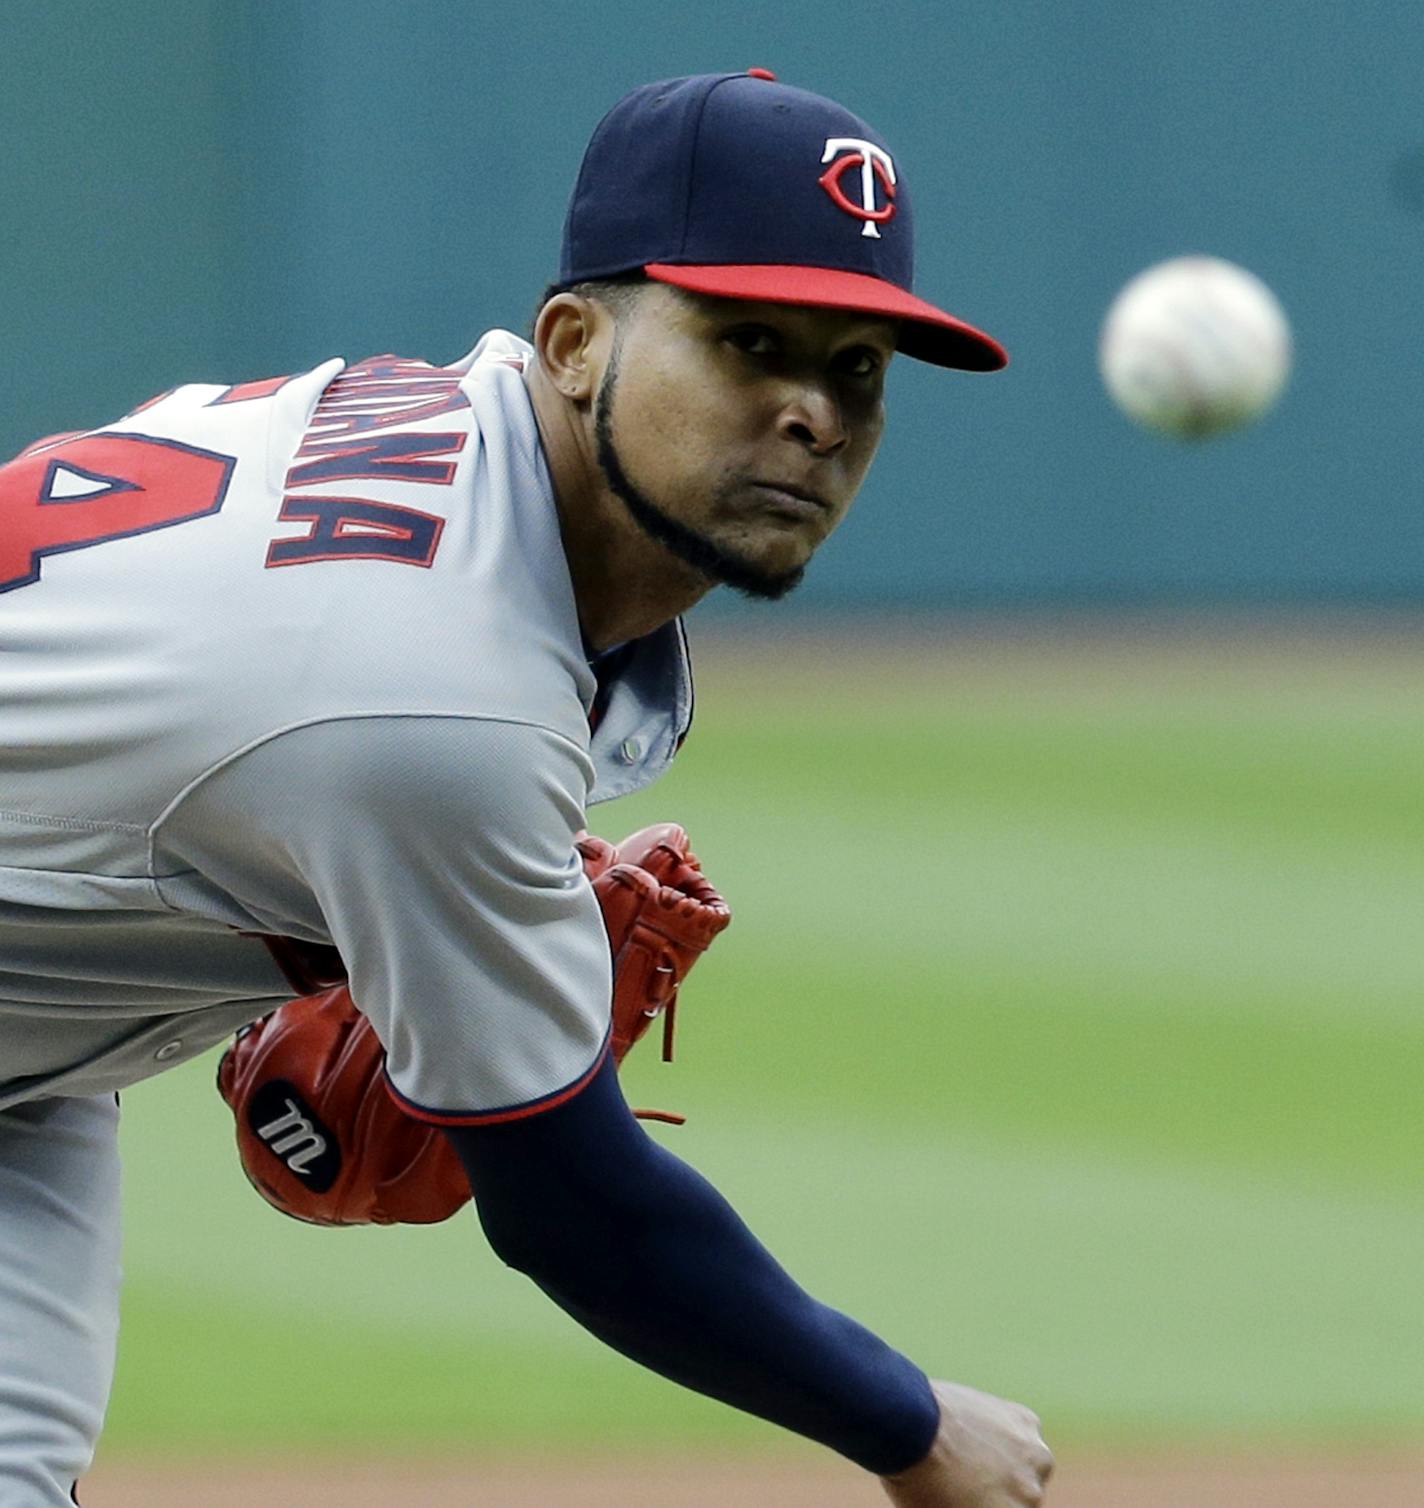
[(59, 1292)]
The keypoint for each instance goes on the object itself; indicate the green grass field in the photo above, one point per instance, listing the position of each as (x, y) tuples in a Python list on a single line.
[(1069, 1033)]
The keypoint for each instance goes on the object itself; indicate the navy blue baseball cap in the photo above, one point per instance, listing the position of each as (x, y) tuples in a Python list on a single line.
[(737, 186)]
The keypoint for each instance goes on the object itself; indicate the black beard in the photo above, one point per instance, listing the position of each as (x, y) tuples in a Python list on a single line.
[(686, 544)]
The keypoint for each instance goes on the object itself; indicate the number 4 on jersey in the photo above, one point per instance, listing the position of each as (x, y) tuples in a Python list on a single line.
[(72, 493)]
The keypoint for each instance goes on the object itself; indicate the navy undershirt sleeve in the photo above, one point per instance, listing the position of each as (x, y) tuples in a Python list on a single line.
[(647, 1255)]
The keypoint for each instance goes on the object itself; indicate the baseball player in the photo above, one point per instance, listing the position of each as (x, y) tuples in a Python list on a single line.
[(314, 678)]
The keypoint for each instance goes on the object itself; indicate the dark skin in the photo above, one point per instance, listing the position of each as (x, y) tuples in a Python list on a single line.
[(751, 425)]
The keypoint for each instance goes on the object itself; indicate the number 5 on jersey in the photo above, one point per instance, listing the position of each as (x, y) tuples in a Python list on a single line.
[(71, 493)]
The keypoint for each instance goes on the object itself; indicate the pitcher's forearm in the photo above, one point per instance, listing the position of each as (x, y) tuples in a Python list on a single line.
[(645, 1253)]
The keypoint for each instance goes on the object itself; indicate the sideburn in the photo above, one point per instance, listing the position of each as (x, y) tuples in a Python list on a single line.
[(686, 544)]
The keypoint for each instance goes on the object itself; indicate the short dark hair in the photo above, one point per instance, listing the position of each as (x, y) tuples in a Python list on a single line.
[(617, 293)]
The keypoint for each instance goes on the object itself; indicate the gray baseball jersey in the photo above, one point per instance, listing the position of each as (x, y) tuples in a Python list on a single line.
[(301, 658)]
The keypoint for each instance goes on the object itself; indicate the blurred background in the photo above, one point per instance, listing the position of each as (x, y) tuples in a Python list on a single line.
[(1070, 1030), (218, 191)]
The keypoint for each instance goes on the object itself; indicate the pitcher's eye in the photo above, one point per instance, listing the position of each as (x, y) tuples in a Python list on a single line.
[(753, 340), (861, 361)]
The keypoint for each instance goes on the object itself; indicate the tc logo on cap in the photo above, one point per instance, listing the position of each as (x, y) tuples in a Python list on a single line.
[(874, 162)]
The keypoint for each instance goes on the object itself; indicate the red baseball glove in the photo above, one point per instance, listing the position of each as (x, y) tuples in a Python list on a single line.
[(320, 1137)]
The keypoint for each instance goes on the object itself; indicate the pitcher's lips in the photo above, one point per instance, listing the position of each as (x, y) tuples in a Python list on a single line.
[(792, 489)]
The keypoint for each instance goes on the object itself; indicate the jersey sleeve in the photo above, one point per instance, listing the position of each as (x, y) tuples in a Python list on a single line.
[(437, 855)]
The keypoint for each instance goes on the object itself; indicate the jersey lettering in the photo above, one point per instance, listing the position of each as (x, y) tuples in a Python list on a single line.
[(396, 456), (98, 487), (355, 528), (344, 442), (384, 392)]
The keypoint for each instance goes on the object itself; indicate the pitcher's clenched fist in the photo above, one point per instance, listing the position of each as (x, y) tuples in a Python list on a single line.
[(988, 1453)]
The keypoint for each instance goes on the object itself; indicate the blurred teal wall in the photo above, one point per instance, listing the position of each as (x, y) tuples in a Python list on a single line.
[(224, 189)]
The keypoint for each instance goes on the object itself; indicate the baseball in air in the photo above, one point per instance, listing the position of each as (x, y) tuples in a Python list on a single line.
[(1195, 347)]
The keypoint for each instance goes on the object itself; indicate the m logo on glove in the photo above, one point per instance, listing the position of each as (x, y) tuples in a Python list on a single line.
[(293, 1133)]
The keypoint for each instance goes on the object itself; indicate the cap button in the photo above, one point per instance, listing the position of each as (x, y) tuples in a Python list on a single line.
[(761, 73)]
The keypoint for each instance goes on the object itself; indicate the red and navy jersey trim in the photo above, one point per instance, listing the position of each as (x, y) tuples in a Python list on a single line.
[(521, 1112)]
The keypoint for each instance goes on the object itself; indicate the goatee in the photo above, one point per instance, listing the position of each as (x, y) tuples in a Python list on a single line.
[(695, 549)]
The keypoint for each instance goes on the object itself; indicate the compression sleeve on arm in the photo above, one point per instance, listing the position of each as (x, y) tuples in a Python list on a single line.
[(644, 1253)]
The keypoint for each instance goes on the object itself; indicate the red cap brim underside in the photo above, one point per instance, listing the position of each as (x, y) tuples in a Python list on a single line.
[(926, 333)]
